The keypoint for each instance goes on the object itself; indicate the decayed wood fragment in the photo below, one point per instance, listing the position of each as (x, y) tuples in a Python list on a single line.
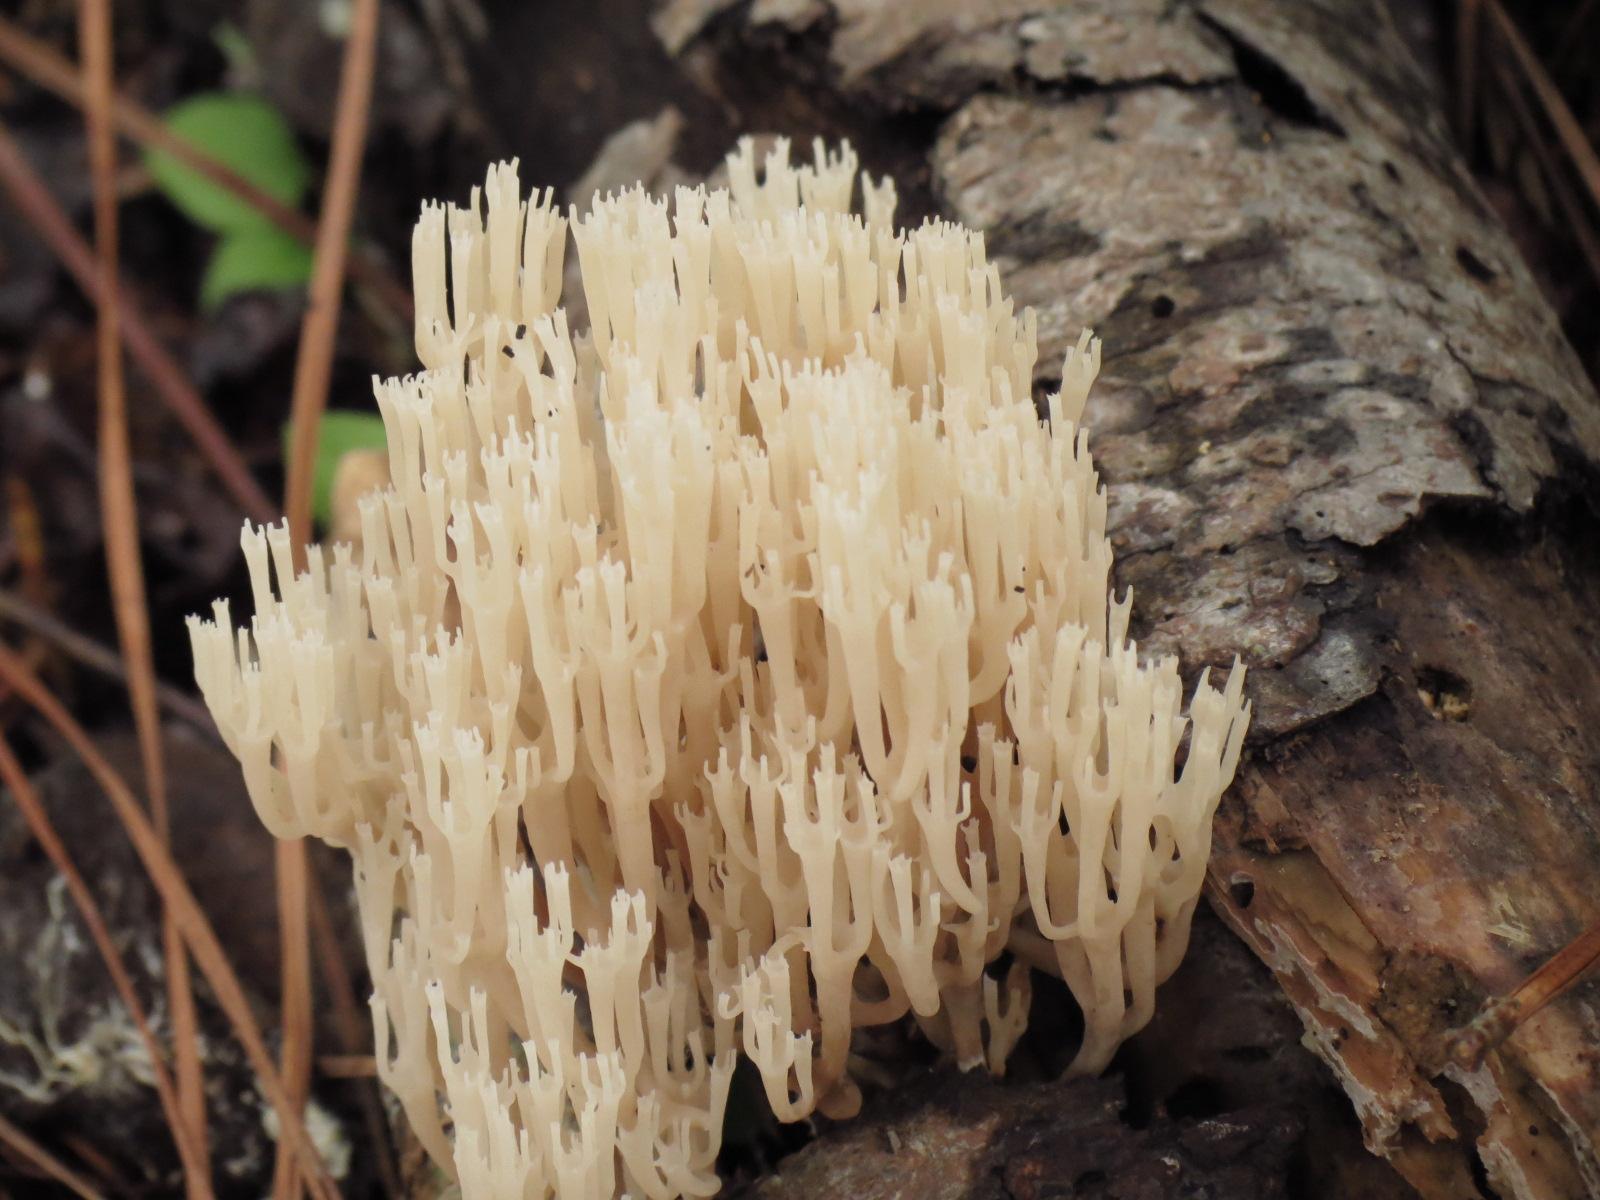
[(1344, 438)]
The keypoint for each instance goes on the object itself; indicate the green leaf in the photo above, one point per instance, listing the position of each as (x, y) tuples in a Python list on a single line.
[(243, 132), (341, 431), (249, 260)]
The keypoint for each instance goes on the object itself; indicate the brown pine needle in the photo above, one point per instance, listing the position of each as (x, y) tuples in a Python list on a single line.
[(1469, 31), (27, 540), (197, 932), (312, 374), (25, 1148), (1580, 226), (1585, 159), (33, 812), (90, 653), (294, 1015), (34, 201), (355, 1035), (347, 1066), (96, 1161), (1571, 42), (39, 63), (119, 518), (1503, 1017), (314, 364)]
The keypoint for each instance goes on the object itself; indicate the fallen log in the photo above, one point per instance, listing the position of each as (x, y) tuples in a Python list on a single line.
[(1343, 438)]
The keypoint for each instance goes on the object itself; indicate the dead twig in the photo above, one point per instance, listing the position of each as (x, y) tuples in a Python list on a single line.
[(1503, 1017), (39, 63), (196, 928), (119, 519), (39, 208)]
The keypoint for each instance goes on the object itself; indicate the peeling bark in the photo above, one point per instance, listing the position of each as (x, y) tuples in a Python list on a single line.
[(1343, 438)]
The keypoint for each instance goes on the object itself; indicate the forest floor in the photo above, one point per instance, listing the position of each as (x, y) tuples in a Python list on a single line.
[(458, 83)]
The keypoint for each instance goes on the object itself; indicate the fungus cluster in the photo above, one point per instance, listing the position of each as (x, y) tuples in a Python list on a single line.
[(738, 674)]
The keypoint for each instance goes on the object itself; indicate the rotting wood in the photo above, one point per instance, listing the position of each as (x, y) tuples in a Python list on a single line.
[(1344, 438)]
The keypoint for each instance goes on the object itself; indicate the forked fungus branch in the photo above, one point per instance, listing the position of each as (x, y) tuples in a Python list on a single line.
[(733, 676)]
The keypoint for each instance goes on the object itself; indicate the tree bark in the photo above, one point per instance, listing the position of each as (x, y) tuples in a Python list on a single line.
[(1343, 438)]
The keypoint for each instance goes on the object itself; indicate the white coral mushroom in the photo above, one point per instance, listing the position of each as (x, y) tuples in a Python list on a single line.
[(737, 675)]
